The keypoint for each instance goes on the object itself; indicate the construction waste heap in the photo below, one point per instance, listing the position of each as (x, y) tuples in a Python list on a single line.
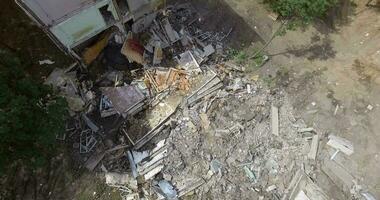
[(191, 123)]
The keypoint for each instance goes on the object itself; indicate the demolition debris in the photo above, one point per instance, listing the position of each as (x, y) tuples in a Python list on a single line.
[(190, 123)]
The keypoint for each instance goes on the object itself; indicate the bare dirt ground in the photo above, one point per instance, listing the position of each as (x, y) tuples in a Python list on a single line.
[(323, 69)]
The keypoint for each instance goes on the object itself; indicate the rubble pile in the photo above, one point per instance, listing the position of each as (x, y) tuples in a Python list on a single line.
[(190, 123), (228, 144)]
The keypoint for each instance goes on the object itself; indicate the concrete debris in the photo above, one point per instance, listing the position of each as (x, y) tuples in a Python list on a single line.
[(154, 131), (188, 62), (250, 174), (370, 107), (94, 160), (66, 84), (46, 62), (148, 163), (236, 85), (168, 190), (215, 166), (303, 130), (90, 124), (275, 122), (368, 196), (338, 174), (233, 66), (302, 196), (187, 122), (133, 196), (313, 148), (271, 188), (341, 144), (210, 83), (189, 187), (127, 100), (115, 179), (143, 23), (170, 32), (208, 50), (306, 188), (249, 90), (158, 54)]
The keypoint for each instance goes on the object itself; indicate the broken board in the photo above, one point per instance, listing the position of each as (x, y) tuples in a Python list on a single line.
[(341, 144), (124, 98), (275, 121)]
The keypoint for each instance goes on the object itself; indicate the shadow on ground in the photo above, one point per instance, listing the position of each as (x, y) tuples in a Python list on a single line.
[(319, 49), (219, 16)]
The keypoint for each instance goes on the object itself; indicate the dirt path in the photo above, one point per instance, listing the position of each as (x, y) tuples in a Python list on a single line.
[(329, 69)]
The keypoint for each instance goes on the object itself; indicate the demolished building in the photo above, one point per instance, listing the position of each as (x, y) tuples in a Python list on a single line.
[(73, 24), (204, 128)]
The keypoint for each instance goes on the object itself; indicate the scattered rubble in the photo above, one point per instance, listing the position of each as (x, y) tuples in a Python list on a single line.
[(191, 124)]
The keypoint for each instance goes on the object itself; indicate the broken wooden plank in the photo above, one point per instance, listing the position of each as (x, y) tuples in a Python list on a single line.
[(341, 144), (158, 54), (293, 184), (159, 148), (124, 99), (118, 147), (337, 173), (129, 138), (188, 188), (171, 33), (114, 179), (313, 148), (303, 130), (208, 50), (153, 172), (275, 121), (160, 156), (94, 160), (157, 129)]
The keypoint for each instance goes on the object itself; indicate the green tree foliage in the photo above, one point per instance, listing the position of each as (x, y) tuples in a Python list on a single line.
[(301, 12), (295, 13), (30, 115)]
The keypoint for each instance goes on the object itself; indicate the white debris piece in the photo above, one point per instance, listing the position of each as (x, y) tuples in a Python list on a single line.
[(337, 173), (301, 196), (152, 173), (46, 62), (275, 123), (370, 107), (171, 33), (249, 89), (341, 144), (302, 130), (208, 50), (314, 148), (114, 179), (271, 188)]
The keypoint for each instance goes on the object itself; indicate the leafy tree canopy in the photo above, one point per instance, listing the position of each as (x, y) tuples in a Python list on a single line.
[(301, 11), (30, 115)]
